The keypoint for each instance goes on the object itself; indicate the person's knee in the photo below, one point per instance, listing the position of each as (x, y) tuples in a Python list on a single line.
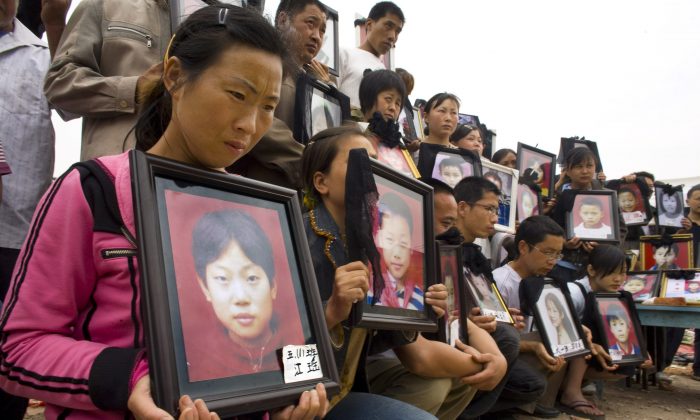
[(508, 340)]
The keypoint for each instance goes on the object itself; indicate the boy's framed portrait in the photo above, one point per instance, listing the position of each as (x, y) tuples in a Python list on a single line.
[(397, 158), (619, 329), (453, 326), (411, 123), (634, 206), (529, 202), (318, 106), (681, 283), (330, 49), (404, 238), (569, 144), (673, 252), (483, 293), (556, 320), (506, 179), (642, 285), (669, 206), (594, 217), (446, 164), (536, 166), (220, 302)]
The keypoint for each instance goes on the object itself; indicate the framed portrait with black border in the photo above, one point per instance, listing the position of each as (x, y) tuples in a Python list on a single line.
[(557, 323), (669, 206), (536, 166), (404, 237), (671, 252), (453, 325), (529, 202), (594, 217), (568, 144), (220, 302), (681, 283), (506, 179), (634, 207), (619, 328), (642, 285), (318, 106), (449, 165), (411, 123), (484, 294), (330, 49)]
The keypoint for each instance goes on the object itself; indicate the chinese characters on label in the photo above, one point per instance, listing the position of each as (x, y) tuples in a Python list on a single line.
[(301, 363), (499, 315), (561, 349)]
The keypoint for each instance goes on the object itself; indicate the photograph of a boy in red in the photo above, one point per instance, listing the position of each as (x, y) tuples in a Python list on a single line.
[(402, 264), (236, 298), (623, 343)]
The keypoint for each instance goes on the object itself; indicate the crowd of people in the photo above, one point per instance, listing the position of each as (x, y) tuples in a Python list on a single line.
[(220, 93)]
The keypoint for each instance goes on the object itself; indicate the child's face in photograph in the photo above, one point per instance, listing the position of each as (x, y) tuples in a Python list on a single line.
[(388, 103), (664, 256), (394, 237), (393, 158), (241, 295), (591, 215), (669, 203), (451, 175), (627, 201), (634, 285), (693, 287), (619, 329)]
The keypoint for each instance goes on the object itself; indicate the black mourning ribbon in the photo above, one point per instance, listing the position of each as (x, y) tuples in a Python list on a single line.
[(664, 240), (452, 236), (474, 260), (386, 130), (360, 210), (681, 274), (669, 189)]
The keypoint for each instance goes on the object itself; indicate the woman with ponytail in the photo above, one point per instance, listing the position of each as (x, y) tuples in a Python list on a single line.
[(72, 333)]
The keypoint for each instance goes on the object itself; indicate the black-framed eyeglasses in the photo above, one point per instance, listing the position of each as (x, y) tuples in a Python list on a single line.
[(551, 255), (492, 210)]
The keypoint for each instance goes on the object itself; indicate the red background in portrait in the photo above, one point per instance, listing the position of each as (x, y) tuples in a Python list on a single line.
[(604, 307), (604, 200), (649, 280), (415, 270), (682, 259), (637, 195), (197, 315)]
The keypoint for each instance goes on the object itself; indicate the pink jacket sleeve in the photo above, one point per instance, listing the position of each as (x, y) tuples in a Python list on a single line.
[(45, 346)]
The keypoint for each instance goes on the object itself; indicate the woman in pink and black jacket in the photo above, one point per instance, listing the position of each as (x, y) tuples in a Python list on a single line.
[(72, 334)]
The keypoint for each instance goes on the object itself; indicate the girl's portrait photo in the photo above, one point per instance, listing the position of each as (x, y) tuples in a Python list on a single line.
[(642, 286), (450, 168), (485, 295), (669, 208), (631, 203), (558, 327), (688, 288), (536, 166), (528, 203), (593, 217), (656, 254), (623, 342)]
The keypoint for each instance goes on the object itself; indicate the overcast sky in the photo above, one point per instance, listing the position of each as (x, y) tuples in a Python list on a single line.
[(623, 73)]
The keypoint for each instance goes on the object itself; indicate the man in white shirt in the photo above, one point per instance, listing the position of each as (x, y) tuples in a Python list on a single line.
[(384, 24)]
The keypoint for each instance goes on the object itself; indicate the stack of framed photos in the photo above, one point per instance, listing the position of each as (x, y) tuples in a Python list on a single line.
[(220, 303), (620, 331), (556, 320)]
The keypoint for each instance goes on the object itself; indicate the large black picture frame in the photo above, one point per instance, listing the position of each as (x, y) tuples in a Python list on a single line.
[(567, 144), (318, 106), (624, 300), (429, 154), (525, 156), (364, 314), (609, 197), (457, 300), (152, 179)]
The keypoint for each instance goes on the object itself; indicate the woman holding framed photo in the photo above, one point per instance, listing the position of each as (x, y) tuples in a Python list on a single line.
[(74, 303)]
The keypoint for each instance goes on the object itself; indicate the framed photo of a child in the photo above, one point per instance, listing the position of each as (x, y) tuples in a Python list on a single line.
[(671, 253), (642, 285), (684, 283), (453, 325), (447, 164), (619, 328), (397, 158), (669, 206), (594, 217), (506, 179), (634, 207), (411, 123), (536, 166), (403, 236), (318, 106), (482, 292), (529, 202), (220, 302), (557, 322)]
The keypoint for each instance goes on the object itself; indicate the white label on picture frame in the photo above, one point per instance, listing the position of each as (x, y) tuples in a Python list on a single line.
[(301, 363)]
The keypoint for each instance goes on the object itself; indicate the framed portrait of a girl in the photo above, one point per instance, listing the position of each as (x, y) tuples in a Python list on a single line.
[(669, 206), (226, 284)]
